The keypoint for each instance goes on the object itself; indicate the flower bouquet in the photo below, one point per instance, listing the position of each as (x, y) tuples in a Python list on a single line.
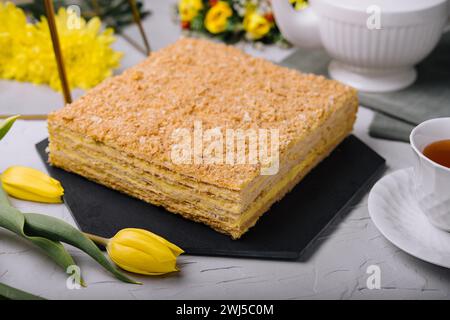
[(233, 20), (26, 52)]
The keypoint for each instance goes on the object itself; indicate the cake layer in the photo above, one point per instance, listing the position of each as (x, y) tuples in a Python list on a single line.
[(158, 186), (234, 225), (66, 141)]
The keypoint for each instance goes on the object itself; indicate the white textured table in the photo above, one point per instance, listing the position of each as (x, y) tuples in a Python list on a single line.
[(333, 268)]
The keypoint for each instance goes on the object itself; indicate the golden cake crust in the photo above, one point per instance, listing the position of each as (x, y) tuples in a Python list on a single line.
[(197, 80)]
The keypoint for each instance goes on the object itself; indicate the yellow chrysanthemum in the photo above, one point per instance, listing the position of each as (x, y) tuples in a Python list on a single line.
[(14, 34), (29, 56)]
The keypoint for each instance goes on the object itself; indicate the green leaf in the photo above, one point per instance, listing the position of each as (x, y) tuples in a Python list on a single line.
[(58, 230), (4, 201), (10, 293), (6, 125), (13, 220), (197, 23)]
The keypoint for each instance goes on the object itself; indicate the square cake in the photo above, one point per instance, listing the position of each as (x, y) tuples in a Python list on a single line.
[(204, 130)]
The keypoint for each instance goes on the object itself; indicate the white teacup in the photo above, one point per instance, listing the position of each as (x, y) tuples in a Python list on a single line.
[(432, 180)]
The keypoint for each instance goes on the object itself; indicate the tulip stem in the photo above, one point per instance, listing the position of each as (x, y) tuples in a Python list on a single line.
[(98, 240)]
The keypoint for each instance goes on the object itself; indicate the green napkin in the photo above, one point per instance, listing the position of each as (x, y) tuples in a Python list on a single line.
[(398, 112)]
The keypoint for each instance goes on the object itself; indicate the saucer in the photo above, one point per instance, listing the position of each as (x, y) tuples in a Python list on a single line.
[(395, 212)]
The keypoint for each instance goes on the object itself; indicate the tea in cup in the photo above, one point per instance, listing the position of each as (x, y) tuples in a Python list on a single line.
[(430, 141)]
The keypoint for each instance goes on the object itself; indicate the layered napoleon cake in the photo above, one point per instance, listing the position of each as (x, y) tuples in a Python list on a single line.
[(204, 130)]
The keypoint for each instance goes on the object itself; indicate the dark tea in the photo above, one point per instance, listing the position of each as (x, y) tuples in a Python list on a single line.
[(439, 152)]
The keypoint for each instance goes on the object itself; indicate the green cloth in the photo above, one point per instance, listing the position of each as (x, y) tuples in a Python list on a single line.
[(397, 112)]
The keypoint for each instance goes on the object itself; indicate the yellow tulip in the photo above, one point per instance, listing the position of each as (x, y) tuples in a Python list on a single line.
[(256, 25), (32, 185), (216, 19), (189, 9), (141, 251)]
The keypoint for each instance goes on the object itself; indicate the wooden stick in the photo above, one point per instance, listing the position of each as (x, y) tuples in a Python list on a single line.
[(138, 21), (57, 50), (96, 7), (133, 43)]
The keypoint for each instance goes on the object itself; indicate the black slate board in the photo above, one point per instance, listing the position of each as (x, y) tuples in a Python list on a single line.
[(282, 233)]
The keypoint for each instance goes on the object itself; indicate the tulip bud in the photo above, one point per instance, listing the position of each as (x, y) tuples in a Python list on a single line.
[(32, 185), (141, 251)]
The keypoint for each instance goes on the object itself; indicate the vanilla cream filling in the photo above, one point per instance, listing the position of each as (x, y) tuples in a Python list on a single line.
[(224, 209)]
